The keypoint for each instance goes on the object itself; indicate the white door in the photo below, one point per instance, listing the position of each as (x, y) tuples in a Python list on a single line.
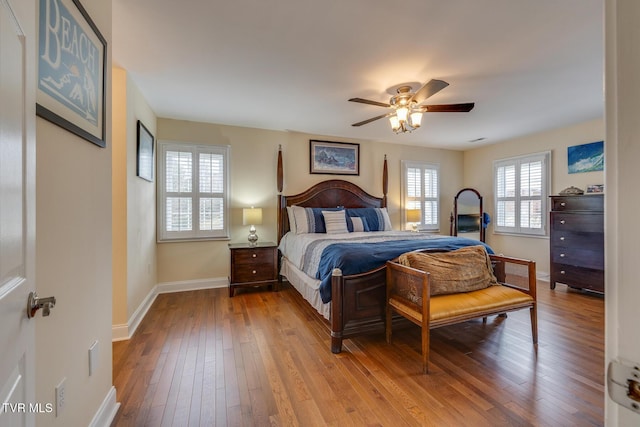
[(17, 215)]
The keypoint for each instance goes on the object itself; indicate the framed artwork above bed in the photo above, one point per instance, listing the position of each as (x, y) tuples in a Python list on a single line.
[(334, 158)]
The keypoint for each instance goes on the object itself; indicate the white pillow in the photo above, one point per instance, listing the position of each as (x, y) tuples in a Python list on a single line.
[(386, 219), (335, 222), (358, 225), (301, 219), (292, 219)]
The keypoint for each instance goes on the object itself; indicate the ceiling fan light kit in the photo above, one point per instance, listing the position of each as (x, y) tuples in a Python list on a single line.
[(406, 114)]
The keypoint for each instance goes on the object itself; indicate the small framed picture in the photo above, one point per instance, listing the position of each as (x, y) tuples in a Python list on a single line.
[(144, 164), (337, 158), (595, 189)]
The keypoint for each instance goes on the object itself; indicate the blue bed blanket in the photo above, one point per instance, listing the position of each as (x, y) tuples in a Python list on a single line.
[(354, 258)]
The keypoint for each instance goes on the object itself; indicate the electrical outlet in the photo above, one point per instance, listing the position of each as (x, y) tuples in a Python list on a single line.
[(60, 397)]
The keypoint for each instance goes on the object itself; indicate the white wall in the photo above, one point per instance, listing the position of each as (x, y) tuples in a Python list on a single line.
[(73, 259), (478, 174), (141, 202), (134, 199), (621, 196)]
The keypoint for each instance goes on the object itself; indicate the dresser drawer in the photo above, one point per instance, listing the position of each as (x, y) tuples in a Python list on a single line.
[(253, 256), (578, 277), (574, 239), (578, 257), (577, 203), (564, 221)]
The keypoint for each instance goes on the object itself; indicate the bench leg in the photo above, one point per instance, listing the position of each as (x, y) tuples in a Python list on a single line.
[(425, 350), (388, 324), (534, 323)]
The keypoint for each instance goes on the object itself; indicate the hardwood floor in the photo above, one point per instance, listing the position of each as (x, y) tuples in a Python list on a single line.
[(262, 358)]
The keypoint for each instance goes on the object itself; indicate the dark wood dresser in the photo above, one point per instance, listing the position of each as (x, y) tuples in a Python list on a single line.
[(253, 266), (577, 241)]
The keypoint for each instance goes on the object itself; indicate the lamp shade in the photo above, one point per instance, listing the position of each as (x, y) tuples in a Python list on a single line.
[(413, 215), (252, 216)]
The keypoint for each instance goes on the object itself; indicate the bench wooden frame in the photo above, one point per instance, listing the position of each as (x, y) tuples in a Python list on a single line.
[(399, 277)]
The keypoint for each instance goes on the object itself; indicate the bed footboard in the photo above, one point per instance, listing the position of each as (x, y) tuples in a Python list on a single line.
[(357, 305)]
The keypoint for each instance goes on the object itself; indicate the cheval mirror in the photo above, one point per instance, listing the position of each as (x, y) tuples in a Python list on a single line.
[(467, 217)]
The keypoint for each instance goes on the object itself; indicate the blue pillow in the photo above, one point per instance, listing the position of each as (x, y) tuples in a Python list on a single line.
[(310, 220), (377, 218)]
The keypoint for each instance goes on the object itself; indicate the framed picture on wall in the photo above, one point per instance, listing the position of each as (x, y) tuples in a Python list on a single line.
[(586, 157), (336, 158), (144, 163), (71, 70)]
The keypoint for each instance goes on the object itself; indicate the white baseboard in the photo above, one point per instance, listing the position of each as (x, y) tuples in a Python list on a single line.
[(192, 285), (107, 411), (543, 276), (125, 331)]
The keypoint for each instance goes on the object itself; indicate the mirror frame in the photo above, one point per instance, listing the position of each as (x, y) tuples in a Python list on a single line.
[(454, 217)]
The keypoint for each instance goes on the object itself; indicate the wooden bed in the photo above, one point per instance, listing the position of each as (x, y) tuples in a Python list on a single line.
[(358, 301)]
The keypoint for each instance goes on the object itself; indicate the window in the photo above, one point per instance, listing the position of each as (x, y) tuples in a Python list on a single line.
[(193, 195), (421, 190), (521, 190)]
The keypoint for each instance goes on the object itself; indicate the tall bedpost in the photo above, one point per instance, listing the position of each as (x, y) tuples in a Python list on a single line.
[(280, 181), (385, 182), (280, 172)]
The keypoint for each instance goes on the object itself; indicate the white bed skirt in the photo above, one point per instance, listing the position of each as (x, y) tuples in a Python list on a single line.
[(306, 286)]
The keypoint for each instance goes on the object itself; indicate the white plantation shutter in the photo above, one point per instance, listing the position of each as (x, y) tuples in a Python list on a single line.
[(521, 191), (421, 191), (192, 191)]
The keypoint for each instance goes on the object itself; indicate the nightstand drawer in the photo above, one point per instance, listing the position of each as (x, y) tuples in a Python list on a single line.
[(253, 273), (252, 256)]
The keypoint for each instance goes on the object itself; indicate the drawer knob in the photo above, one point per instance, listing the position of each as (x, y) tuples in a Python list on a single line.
[(562, 271), (254, 272), (562, 221), (561, 255), (562, 238), (563, 204), (254, 255)]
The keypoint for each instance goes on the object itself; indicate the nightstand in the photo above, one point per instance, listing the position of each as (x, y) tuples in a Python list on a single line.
[(253, 266)]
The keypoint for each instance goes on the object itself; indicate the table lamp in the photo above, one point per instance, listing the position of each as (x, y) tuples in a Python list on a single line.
[(252, 216), (413, 217)]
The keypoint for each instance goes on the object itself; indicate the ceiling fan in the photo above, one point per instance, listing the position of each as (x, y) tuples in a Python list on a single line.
[(406, 114)]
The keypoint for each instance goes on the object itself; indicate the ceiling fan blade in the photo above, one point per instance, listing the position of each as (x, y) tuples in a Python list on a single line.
[(373, 119), (366, 101), (429, 89), (449, 108)]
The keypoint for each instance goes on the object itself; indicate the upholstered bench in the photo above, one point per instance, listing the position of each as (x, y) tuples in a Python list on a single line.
[(439, 289)]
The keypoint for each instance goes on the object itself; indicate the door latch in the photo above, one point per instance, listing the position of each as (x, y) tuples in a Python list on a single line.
[(35, 303), (623, 383)]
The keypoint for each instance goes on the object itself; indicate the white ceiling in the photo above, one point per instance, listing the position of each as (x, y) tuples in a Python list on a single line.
[(529, 65)]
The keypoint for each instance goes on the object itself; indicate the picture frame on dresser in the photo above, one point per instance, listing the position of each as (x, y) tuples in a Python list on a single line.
[(595, 189)]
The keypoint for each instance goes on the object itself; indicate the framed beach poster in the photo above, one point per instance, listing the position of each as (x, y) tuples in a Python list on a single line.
[(338, 158), (71, 70)]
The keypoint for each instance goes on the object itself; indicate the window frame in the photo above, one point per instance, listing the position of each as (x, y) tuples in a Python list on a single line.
[(517, 162), (194, 234), (406, 164)]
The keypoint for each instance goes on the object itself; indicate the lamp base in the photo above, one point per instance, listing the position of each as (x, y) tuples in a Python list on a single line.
[(253, 237)]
